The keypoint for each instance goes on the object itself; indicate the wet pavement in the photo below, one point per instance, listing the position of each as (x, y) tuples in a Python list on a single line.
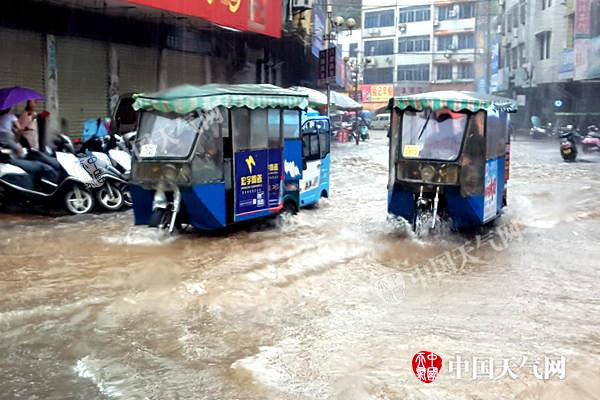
[(321, 305)]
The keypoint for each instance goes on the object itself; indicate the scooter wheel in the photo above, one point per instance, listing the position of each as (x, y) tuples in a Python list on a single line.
[(78, 201), (108, 201), (127, 200)]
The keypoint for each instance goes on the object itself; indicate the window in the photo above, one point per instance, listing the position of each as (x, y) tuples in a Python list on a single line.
[(465, 71), (274, 126), (466, 41), (417, 72), (378, 75), (320, 135), (437, 134), (444, 42), (444, 71), (412, 44), (291, 124), (522, 56), (546, 4), (543, 42), (446, 12), (310, 147), (353, 53), (414, 14), (507, 58), (240, 120), (509, 21), (379, 47), (570, 31), (466, 10), (523, 12), (379, 19), (515, 17), (258, 129), (514, 57)]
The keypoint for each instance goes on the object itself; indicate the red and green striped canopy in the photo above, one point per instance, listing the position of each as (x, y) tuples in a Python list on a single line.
[(454, 100)]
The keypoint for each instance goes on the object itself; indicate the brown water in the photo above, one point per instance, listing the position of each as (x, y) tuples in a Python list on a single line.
[(316, 306)]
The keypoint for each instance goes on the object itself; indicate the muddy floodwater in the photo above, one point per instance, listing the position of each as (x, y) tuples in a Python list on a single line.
[(321, 305)]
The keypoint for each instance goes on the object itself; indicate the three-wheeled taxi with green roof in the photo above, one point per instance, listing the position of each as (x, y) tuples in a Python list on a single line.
[(210, 156), (449, 158)]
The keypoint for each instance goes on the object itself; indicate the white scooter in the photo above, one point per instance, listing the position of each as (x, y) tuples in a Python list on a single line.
[(17, 186)]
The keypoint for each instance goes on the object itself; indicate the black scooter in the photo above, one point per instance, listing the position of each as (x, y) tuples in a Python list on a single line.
[(568, 146)]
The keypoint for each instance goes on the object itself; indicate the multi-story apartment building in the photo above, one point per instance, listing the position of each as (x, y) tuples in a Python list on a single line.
[(420, 45), (539, 56)]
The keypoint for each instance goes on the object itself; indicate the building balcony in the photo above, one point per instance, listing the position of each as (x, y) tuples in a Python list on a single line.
[(453, 26)]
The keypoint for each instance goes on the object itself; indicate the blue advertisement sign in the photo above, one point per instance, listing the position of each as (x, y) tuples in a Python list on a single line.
[(293, 159), (251, 181), (274, 177), (318, 30)]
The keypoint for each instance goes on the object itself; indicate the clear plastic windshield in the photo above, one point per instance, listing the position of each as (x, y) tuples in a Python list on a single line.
[(435, 135), (167, 135)]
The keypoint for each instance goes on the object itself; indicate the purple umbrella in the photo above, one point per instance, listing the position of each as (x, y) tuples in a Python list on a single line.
[(15, 95)]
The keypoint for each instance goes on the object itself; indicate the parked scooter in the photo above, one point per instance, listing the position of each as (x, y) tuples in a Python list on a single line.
[(540, 132), (591, 141), (110, 169), (27, 188)]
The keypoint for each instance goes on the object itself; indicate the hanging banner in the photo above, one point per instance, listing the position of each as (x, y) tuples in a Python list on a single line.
[(318, 30), (259, 16)]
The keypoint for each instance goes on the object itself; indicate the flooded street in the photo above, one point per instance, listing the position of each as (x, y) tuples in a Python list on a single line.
[(315, 306)]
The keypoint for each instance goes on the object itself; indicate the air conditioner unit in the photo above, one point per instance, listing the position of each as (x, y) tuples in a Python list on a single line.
[(500, 30), (402, 28), (515, 33), (452, 13), (436, 23)]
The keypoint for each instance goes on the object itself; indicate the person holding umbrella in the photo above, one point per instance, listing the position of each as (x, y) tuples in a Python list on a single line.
[(29, 126), (37, 163)]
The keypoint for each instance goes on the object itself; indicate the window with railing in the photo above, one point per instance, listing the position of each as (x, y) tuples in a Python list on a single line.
[(414, 44), (446, 12), (466, 10), (414, 14), (378, 75), (466, 41), (417, 72), (465, 71), (444, 71), (543, 42), (353, 51), (444, 42), (379, 19), (379, 47)]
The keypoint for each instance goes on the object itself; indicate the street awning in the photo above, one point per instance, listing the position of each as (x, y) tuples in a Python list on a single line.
[(315, 98), (454, 100), (187, 98), (344, 102)]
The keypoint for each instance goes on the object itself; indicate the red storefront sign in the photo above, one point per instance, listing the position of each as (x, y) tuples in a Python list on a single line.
[(259, 16)]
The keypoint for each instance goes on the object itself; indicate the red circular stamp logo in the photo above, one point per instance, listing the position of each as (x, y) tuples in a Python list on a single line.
[(426, 366)]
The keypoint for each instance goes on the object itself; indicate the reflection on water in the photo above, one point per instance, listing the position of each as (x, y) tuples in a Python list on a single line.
[(320, 305)]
